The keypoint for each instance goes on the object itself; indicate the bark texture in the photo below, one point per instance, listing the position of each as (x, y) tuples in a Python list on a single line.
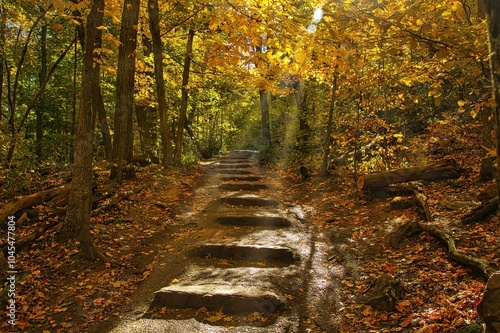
[(154, 27), (264, 110), (492, 9), (122, 149), (184, 98), (76, 226), (444, 169)]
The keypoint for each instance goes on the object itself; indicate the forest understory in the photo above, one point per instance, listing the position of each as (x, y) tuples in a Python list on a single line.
[(59, 291)]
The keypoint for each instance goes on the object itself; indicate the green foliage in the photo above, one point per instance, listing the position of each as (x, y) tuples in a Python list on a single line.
[(473, 328), (23, 175)]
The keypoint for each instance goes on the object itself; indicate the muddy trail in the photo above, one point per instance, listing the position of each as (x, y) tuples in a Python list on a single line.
[(251, 263)]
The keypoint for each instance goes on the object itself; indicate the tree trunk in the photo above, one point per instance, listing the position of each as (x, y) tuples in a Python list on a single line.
[(203, 152), (125, 85), (329, 125), (184, 98), (493, 14), (1, 82), (2, 56), (304, 128), (481, 10), (98, 106), (444, 169), (264, 110), (146, 114), (154, 27), (42, 77), (97, 95), (76, 226), (487, 170)]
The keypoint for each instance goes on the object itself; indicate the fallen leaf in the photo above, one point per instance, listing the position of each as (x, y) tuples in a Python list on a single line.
[(217, 317)]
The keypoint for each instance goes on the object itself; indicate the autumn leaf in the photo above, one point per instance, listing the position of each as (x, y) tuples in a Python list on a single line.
[(216, 317), (98, 301), (403, 306), (58, 310)]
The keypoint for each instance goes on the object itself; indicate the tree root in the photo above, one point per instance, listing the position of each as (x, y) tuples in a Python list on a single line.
[(413, 227)]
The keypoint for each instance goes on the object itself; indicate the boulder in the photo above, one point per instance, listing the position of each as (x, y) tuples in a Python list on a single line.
[(489, 307)]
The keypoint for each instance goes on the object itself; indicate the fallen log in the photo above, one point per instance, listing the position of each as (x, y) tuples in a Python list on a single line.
[(390, 191), (444, 169), (27, 201), (481, 212), (488, 193)]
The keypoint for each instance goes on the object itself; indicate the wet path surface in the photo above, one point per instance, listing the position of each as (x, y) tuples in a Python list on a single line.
[(250, 261)]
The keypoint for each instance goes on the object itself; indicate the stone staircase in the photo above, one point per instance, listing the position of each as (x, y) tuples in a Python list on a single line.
[(253, 275)]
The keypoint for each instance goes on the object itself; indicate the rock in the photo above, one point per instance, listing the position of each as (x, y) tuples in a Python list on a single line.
[(231, 299), (385, 294), (489, 308)]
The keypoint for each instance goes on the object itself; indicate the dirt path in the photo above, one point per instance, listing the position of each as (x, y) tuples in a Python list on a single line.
[(249, 263)]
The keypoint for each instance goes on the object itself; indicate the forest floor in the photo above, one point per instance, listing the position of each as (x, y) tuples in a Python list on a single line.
[(57, 291)]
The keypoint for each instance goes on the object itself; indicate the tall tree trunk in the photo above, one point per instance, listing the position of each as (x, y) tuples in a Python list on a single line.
[(42, 77), (154, 27), (304, 128), (125, 86), (329, 125), (145, 113), (493, 14), (98, 105), (264, 110), (2, 59), (76, 226), (1, 82), (184, 98), (481, 11)]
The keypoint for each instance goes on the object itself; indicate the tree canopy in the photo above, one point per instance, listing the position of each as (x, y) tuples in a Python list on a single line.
[(397, 66)]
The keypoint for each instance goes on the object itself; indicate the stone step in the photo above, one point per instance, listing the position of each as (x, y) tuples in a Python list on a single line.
[(234, 161), (243, 187), (231, 299), (249, 201), (234, 166), (237, 157), (282, 255), (236, 178), (254, 220), (234, 172)]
